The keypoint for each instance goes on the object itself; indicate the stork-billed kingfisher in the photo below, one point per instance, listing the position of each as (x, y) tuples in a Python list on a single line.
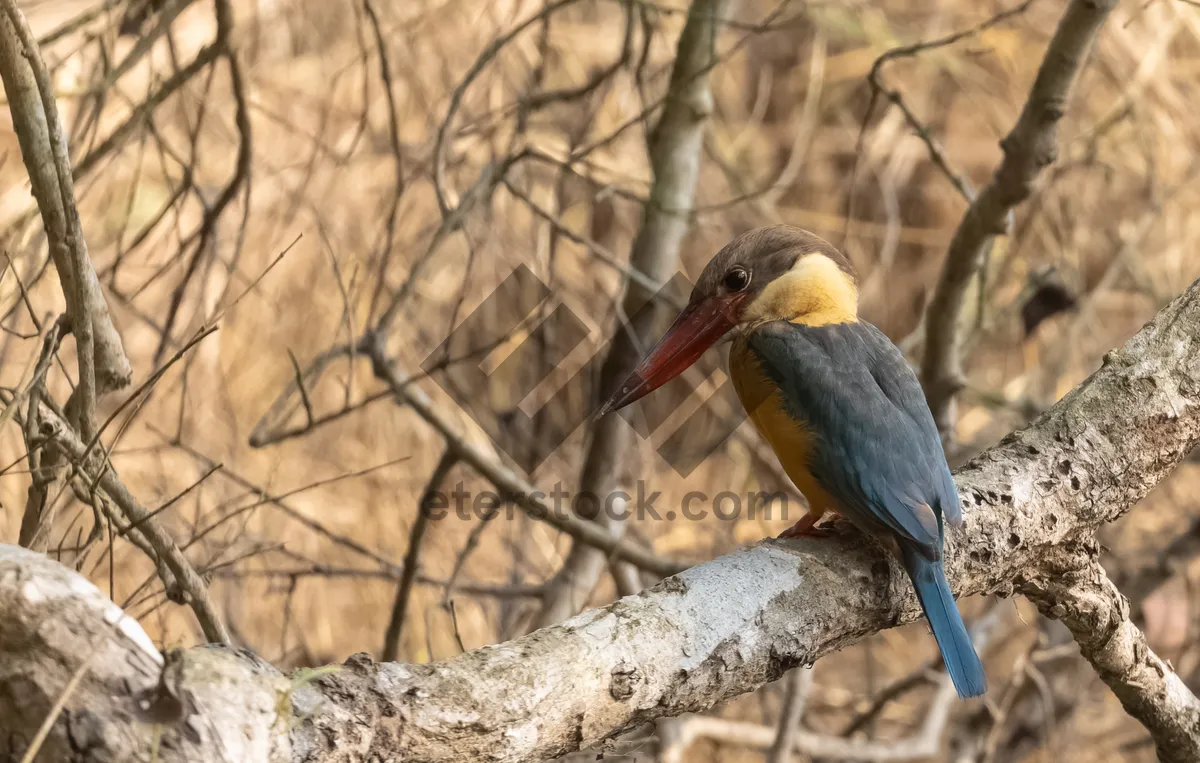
[(835, 400)]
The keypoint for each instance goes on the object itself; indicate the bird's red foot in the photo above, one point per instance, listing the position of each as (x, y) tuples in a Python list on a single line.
[(805, 528)]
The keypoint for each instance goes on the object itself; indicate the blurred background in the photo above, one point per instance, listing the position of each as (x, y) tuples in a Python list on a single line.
[(389, 164)]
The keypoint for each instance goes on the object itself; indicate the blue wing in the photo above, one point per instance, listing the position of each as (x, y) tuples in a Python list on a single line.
[(877, 449)]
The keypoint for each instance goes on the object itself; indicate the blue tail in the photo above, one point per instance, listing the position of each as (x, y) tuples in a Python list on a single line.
[(962, 662)]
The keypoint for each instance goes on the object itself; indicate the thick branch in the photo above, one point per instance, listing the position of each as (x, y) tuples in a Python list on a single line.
[(1029, 148), (1083, 597), (711, 632), (215, 705)]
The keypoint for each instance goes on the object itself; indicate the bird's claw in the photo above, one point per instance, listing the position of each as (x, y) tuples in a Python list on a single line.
[(806, 527), (812, 532)]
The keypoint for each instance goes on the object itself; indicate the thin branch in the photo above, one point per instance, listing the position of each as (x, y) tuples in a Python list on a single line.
[(276, 501), (391, 639), (493, 590), (875, 80), (141, 113), (1028, 149), (33, 520), (919, 677), (385, 74), (675, 149), (191, 585), (35, 745), (445, 202), (512, 487), (799, 685), (103, 365), (240, 181), (299, 379)]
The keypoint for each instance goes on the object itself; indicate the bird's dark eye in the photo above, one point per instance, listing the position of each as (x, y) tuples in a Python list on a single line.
[(737, 279)]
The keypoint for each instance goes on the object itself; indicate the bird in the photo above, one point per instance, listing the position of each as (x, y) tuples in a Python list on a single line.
[(835, 400)]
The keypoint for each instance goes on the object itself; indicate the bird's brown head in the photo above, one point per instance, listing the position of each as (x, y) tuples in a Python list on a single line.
[(774, 273)]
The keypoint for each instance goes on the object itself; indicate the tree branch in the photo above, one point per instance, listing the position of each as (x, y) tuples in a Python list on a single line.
[(191, 587), (712, 632), (103, 366), (1028, 149), (510, 485), (416, 534), (799, 684), (1081, 595), (675, 151)]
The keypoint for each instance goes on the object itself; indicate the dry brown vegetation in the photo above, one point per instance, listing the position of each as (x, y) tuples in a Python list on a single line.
[(786, 143)]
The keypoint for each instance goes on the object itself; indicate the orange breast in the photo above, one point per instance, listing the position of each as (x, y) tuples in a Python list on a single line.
[(789, 438)]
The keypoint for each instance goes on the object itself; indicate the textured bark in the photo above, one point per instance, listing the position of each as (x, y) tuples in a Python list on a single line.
[(212, 703), (675, 152), (1033, 504), (1081, 595)]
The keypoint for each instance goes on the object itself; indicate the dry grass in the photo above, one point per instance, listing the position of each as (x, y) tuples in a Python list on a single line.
[(1115, 217)]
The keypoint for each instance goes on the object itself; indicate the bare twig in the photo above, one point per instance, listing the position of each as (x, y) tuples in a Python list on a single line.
[(240, 181), (192, 586), (444, 194), (385, 75), (391, 639), (145, 43), (78, 22), (920, 677), (299, 379), (507, 482), (102, 363), (33, 521), (936, 154), (35, 745), (878, 87), (799, 684), (277, 501), (142, 112), (468, 548)]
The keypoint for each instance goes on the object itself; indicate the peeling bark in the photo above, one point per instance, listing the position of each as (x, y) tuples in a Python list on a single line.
[(709, 633)]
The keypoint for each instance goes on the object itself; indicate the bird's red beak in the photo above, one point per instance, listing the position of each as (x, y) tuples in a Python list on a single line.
[(696, 329)]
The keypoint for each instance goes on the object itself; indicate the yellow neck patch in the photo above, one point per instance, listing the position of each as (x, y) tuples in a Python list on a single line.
[(815, 292)]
